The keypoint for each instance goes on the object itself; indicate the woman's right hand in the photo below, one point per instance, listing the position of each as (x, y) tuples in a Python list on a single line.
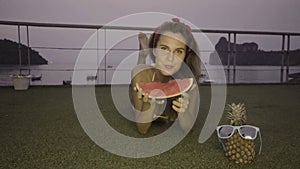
[(145, 97), (140, 95), (146, 112)]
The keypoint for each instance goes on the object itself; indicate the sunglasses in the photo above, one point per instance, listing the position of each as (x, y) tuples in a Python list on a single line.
[(245, 131)]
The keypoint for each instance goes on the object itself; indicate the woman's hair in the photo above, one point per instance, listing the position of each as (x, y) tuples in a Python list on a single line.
[(192, 58)]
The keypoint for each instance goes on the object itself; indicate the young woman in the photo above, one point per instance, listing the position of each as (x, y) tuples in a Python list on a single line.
[(175, 54)]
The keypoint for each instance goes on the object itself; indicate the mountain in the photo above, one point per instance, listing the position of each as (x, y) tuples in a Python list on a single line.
[(249, 54), (9, 54)]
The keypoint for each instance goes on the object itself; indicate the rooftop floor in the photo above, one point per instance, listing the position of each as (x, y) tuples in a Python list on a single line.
[(39, 129)]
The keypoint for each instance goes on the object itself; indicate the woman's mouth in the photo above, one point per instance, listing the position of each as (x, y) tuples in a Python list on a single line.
[(169, 66)]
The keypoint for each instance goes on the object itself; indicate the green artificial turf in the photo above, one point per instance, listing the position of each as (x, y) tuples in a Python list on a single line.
[(39, 129)]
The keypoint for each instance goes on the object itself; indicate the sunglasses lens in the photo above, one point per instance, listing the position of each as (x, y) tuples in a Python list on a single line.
[(248, 132), (225, 131)]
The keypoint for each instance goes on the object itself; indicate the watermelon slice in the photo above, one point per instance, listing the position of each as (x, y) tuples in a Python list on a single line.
[(159, 90)]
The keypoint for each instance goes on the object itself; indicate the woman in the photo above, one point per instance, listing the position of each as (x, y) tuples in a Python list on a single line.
[(174, 51)]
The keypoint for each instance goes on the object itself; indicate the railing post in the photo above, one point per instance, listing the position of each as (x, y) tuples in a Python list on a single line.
[(234, 57), (98, 64), (105, 50), (28, 50), (228, 58), (287, 59), (282, 59), (19, 49)]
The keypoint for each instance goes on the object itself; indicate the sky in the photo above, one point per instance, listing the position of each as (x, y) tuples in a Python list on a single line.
[(271, 15), (254, 15)]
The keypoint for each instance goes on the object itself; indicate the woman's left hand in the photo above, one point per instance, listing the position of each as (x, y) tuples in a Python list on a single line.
[(181, 104)]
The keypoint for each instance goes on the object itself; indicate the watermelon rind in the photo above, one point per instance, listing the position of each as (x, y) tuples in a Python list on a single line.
[(185, 88)]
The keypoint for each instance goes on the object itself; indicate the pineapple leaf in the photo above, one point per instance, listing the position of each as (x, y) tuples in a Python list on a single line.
[(236, 114)]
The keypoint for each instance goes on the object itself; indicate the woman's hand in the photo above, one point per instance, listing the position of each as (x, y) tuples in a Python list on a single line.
[(181, 104), (140, 95), (145, 97), (146, 111)]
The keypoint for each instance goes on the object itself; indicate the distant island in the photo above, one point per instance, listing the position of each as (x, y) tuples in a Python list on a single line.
[(9, 54), (249, 54)]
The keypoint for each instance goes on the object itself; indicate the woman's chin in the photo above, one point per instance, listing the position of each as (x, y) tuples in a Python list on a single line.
[(167, 73)]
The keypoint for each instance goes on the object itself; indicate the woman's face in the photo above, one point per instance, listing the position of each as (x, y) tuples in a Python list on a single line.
[(170, 53)]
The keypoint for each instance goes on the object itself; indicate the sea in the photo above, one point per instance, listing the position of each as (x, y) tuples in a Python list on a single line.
[(55, 74)]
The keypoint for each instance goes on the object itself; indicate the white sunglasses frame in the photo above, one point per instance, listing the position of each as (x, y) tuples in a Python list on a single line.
[(237, 128)]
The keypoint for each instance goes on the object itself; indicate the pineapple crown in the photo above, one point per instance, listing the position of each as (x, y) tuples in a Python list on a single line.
[(236, 114)]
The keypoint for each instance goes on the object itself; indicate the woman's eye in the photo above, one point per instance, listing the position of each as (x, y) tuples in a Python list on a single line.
[(179, 51), (163, 48)]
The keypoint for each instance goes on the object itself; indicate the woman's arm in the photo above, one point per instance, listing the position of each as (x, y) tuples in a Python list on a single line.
[(143, 107), (186, 107)]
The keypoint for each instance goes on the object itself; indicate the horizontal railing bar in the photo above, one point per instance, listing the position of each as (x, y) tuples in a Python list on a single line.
[(78, 48), (59, 25), (85, 26), (247, 32), (100, 49)]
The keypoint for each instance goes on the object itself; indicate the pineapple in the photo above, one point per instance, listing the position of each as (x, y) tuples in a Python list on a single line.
[(238, 149)]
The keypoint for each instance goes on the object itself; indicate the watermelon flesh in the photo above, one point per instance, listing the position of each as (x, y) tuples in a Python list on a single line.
[(159, 90)]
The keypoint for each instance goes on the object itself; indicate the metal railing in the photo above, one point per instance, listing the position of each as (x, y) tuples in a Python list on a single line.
[(231, 52)]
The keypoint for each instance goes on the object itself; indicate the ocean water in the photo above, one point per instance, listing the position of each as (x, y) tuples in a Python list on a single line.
[(55, 74)]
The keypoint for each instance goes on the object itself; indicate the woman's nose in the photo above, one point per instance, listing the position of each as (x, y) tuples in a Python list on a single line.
[(170, 56)]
